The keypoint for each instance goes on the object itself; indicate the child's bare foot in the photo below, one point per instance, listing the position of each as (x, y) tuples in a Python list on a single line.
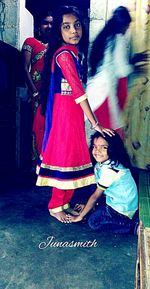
[(60, 216)]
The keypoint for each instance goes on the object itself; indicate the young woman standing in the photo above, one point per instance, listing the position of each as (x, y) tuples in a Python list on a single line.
[(65, 160)]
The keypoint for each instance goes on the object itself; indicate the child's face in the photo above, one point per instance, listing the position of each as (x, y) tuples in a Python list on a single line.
[(71, 29), (100, 148)]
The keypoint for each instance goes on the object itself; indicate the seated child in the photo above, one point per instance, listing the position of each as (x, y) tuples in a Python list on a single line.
[(119, 214)]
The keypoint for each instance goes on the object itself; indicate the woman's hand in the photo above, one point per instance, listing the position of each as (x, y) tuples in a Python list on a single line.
[(140, 69), (143, 56), (102, 130), (92, 119)]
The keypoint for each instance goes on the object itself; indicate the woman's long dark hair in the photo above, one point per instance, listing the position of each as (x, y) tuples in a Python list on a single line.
[(116, 149), (55, 42), (115, 25)]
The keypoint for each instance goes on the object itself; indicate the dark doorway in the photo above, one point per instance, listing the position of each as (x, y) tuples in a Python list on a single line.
[(37, 6), (9, 71)]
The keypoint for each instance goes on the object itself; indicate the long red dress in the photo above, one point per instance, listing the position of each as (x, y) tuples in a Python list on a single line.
[(66, 161), (37, 50)]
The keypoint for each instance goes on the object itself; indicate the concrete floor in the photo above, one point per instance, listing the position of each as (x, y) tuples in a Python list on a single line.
[(29, 259)]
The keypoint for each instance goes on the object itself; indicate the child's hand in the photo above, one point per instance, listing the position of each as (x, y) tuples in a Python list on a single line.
[(73, 219), (79, 207)]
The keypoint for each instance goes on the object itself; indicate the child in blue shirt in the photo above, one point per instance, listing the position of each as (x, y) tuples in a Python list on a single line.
[(119, 214)]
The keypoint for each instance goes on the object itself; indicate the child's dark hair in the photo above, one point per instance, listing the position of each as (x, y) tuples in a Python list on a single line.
[(55, 42), (120, 19), (116, 149)]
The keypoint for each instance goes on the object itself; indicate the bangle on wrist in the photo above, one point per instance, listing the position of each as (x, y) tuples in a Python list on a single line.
[(35, 93), (94, 126)]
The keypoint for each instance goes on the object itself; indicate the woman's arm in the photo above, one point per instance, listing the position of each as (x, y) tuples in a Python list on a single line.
[(67, 65), (90, 116), (26, 64), (140, 61), (89, 205)]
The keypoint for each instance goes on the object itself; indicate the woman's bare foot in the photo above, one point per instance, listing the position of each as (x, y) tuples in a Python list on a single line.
[(74, 219), (60, 216)]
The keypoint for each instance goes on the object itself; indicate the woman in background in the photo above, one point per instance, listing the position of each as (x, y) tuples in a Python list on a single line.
[(109, 63), (34, 50)]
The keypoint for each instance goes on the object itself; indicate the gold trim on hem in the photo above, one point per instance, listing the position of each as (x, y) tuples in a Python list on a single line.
[(66, 169), (65, 185), (59, 209), (56, 210), (66, 206), (37, 170)]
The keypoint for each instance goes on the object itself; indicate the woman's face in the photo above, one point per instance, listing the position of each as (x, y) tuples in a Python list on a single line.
[(100, 150), (71, 29), (46, 25)]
